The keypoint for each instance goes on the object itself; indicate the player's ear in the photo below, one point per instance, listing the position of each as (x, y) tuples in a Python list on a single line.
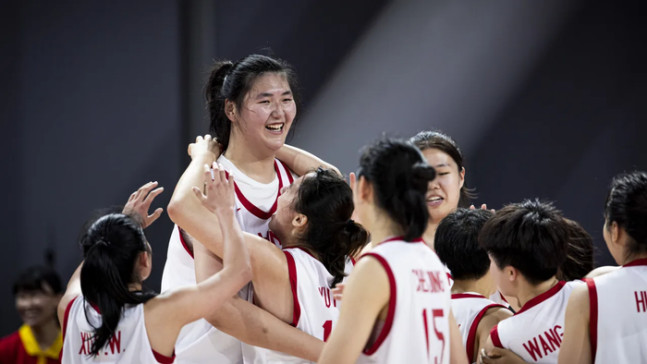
[(364, 189), (511, 273), (299, 221)]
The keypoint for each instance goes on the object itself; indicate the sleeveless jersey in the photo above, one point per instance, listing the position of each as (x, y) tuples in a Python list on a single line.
[(416, 329), (129, 343), (535, 333), (497, 297), (468, 309), (199, 342), (315, 309), (618, 321)]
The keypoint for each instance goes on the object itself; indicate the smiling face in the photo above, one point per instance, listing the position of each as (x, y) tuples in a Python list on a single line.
[(37, 307), (267, 112), (444, 192)]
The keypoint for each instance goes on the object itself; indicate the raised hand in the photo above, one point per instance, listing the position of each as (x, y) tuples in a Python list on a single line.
[(140, 202), (204, 145), (220, 195), (338, 291)]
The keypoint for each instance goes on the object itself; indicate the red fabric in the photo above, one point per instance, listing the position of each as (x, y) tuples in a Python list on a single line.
[(12, 351)]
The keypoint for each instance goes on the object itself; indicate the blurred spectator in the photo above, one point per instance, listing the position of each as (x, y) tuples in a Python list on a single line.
[(38, 341)]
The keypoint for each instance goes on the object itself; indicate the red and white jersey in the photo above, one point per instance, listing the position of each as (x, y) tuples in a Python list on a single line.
[(416, 329), (497, 297), (618, 321), (315, 309), (535, 333), (468, 309), (199, 342), (129, 343)]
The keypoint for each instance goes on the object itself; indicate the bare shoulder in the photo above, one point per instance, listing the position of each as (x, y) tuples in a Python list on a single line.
[(493, 316), (600, 271), (579, 299)]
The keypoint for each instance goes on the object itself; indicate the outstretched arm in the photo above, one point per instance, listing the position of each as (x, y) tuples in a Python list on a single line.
[(251, 324), (300, 161)]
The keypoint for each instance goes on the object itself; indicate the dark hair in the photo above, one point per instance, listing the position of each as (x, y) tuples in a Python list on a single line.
[(626, 205), (327, 201), (111, 247), (530, 236), (457, 244), (579, 253), (400, 176), (435, 139), (34, 279), (232, 81)]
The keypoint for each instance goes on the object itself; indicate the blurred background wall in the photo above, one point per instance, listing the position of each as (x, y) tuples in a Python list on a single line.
[(546, 99)]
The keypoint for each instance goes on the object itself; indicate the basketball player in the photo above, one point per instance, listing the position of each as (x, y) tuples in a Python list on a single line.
[(397, 302), (606, 319), (312, 221), (527, 244), (252, 104), (106, 315), (457, 246)]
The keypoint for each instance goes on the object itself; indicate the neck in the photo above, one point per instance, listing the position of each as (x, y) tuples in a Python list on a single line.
[(46, 333), (384, 228), (630, 258), (430, 234), (256, 163), (528, 291), (480, 286), (135, 287)]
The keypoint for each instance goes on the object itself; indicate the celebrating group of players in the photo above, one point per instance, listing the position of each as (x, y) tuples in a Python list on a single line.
[(261, 264)]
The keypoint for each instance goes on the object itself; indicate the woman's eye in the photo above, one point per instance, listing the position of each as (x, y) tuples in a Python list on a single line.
[(443, 173), (287, 100), (265, 102)]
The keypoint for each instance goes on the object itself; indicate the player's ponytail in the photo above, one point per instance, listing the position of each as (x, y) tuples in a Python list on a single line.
[(327, 202), (232, 81), (399, 176), (626, 205), (111, 247)]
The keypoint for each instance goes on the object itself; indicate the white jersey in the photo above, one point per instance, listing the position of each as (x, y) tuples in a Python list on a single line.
[(618, 321), (468, 309), (535, 333), (199, 342), (315, 309), (129, 343), (416, 329), (497, 297)]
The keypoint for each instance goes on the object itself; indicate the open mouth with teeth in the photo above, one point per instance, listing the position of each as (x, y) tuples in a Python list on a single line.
[(434, 200), (275, 127)]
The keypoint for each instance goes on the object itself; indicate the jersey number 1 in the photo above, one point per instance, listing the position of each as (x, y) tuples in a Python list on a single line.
[(327, 326), (435, 313)]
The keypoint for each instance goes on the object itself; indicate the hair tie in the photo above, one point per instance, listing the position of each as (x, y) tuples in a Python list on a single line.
[(103, 242), (350, 223)]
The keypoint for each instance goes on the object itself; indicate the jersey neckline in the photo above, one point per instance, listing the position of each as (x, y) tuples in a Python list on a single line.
[(542, 297), (637, 262)]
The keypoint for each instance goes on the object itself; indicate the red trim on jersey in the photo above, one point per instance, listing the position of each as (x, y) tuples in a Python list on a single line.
[(542, 297), (184, 244), (392, 301), (163, 358), (251, 207), (636, 262), (503, 298), (467, 295), (300, 248), (494, 335), (471, 336), (352, 260), (66, 316), (400, 238), (292, 272), (287, 171), (593, 317)]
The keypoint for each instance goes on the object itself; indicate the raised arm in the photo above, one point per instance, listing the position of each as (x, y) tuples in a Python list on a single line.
[(300, 161), (251, 324), (365, 295), (137, 206), (167, 313), (184, 209)]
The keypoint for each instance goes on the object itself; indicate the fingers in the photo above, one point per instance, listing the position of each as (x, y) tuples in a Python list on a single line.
[(338, 291), (145, 189), (155, 215), (151, 196), (230, 183), (484, 207), (472, 207), (198, 192)]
